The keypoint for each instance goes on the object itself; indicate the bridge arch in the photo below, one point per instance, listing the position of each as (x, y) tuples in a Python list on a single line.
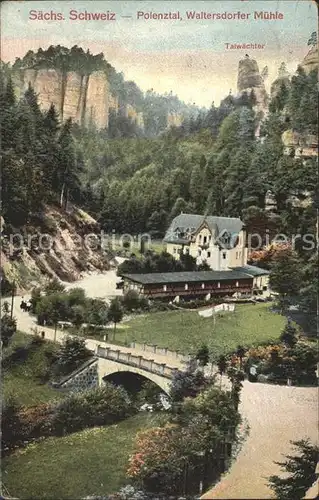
[(111, 370)]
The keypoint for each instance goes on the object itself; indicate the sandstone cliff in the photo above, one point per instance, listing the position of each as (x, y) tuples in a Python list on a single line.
[(311, 60), (249, 79), (67, 253), (84, 98)]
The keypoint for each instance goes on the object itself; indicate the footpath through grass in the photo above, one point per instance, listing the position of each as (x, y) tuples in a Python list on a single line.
[(23, 379), (186, 330), (93, 461)]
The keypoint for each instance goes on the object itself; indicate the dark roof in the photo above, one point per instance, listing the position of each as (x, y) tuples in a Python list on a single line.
[(186, 277), (253, 270), (191, 222)]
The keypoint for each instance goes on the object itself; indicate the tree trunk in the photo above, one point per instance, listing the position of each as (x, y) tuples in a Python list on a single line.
[(114, 331), (62, 194)]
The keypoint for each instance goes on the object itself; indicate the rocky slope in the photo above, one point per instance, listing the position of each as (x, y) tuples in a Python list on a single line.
[(63, 245), (249, 79)]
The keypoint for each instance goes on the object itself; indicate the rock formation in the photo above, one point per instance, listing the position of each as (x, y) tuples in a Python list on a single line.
[(300, 145), (311, 60), (84, 98), (136, 117), (174, 119), (282, 78), (97, 101), (249, 79)]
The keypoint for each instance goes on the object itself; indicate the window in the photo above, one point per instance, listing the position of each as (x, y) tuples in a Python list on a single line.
[(174, 250), (236, 255), (165, 288), (265, 288), (205, 239), (186, 286), (224, 255), (208, 254), (200, 237), (209, 238)]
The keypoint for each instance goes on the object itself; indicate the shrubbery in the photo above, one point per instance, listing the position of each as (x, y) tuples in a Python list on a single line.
[(170, 458), (8, 328), (101, 406), (187, 384), (278, 362), (73, 306), (71, 354)]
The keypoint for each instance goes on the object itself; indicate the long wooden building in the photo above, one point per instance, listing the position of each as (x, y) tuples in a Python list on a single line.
[(190, 284)]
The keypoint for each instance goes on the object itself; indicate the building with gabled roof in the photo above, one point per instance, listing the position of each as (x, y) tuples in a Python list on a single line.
[(217, 241), (247, 281)]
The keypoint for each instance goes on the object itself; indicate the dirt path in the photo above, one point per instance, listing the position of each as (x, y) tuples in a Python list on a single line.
[(276, 415), (27, 324), (98, 285)]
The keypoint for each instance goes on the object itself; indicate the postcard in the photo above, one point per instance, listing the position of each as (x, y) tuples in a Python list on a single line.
[(159, 249)]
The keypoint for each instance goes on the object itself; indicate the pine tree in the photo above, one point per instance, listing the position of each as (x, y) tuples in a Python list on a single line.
[(8, 114), (115, 312), (202, 355), (51, 123), (236, 176), (289, 335), (67, 173), (179, 206), (196, 188), (10, 94), (285, 277), (301, 468)]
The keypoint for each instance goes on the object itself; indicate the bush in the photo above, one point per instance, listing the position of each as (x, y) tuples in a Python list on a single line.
[(12, 426), (131, 300), (187, 384), (280, 362), (54, 286), (71, 354), (102, 406), (289, 335), (8, 328)]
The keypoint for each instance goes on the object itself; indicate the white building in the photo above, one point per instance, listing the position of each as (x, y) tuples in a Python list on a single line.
[(219, 242)]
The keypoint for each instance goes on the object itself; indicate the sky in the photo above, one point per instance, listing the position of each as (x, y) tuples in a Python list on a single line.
[(188, 57)]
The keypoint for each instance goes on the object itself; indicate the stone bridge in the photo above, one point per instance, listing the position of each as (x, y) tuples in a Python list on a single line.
[(112, 361), (109, 363)]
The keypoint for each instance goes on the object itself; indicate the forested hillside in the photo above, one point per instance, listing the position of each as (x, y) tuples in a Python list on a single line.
[(214, 164)]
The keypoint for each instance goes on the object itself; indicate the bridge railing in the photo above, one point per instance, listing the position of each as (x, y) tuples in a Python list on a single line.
[(133, 360), (162, 351)]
